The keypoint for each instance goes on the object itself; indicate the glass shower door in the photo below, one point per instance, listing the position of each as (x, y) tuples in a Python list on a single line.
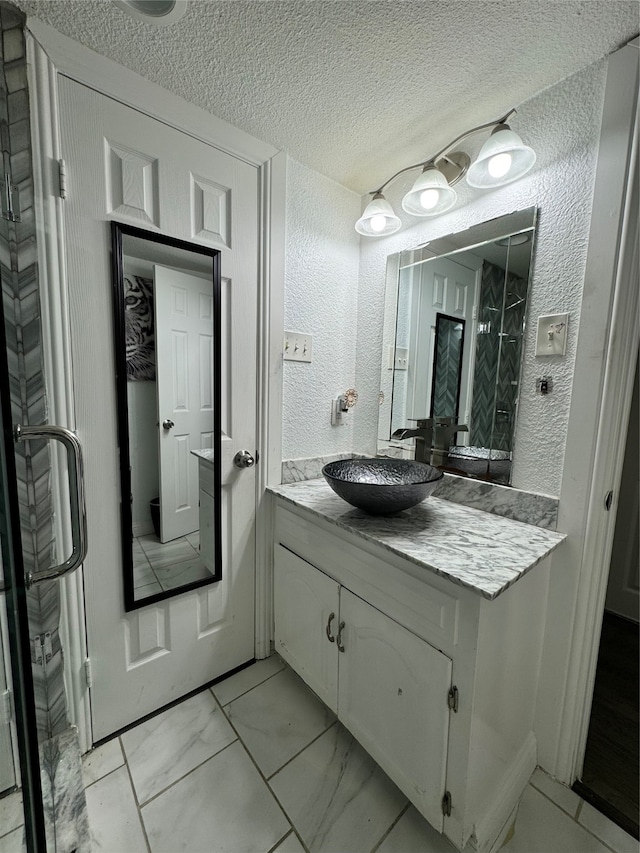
[(21, 808)]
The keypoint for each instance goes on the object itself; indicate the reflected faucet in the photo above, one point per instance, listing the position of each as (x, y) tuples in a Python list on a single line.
[(423, 435), (433, 437)]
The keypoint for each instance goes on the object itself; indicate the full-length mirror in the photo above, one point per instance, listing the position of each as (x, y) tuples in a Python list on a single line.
[(168, 356), (452, 348)]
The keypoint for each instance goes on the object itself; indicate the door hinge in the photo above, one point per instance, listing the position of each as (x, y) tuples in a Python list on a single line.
[(62, 178), (88, 674), (452, 699), (7, 707), (446, 804), (10, 200)]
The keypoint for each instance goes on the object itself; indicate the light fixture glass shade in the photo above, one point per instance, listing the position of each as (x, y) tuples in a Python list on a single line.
[(503, 158), (378, 218), (430, 194)]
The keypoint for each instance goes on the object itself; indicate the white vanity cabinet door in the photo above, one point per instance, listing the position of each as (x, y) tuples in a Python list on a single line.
[(393, 691), (306, 603)]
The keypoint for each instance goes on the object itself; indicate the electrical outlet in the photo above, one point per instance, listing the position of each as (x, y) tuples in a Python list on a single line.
[(297, 346), (552, 334)]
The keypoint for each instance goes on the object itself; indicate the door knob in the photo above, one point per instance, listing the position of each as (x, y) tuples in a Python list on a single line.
[(167, 423), (243, 459)]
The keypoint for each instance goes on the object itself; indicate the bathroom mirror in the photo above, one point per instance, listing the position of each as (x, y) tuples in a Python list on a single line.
[(454, 322), (168, 366)]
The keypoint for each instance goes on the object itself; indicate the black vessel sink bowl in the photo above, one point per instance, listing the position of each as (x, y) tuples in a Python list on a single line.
[(382, 486)]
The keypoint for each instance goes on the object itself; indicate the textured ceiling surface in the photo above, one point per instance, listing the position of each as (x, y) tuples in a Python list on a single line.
[(355, 89)]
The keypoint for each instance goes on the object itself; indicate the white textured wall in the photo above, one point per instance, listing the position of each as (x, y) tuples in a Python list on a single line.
[(321, 298), (562, 124)]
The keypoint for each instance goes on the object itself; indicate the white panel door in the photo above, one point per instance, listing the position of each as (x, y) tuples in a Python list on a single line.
[(183, 307), (306, 619), (125, 165), (443, 287), (392, 696)]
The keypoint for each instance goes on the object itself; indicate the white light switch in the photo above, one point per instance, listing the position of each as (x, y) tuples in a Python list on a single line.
[(297, 346), (552, 334)]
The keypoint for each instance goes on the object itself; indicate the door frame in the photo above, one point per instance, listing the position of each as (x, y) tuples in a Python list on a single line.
[(599, 414), (51, 54)]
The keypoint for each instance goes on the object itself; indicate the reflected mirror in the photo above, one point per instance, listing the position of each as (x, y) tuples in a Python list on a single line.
[(452, 348), (168, 355)]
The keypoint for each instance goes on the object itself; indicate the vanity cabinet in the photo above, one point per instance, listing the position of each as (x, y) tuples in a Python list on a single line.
[(387, 686), (206, 502), (436, 681)]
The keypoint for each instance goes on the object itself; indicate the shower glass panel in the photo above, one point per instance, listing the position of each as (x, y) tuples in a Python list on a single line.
[(21, 805)]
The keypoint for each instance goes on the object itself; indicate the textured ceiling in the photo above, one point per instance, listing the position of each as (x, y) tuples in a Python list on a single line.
[(355, 90)]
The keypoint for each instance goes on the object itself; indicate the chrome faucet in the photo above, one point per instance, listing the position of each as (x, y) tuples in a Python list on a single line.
[(423, 434)]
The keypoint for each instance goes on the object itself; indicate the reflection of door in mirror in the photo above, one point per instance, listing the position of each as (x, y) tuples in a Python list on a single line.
[(184, 346), (170, 391), (439, 286)]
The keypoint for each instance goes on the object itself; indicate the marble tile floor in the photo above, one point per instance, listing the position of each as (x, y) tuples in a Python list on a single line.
[(257, 763), (159, 567)]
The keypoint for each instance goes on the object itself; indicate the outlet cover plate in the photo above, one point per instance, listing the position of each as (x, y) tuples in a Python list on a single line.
[(552, 334), (297, 346)]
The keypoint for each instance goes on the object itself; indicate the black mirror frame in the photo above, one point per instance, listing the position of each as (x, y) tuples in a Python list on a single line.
[(118, 229), (441, 319)]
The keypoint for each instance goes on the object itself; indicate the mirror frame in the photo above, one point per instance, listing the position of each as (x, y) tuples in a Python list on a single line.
[(505, 225), (440, 321), (118, 230)]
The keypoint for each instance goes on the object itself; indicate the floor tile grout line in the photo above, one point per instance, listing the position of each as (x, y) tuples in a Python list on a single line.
[(268, 678), (104, 776), (269, 788), (392, 827), (267, 779), (283, 839), (556, 804), (576, 820), (300, 751), (188, 773), (135, 797)]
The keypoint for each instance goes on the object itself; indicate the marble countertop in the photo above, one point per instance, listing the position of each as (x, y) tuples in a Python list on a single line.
[(481, 551), (205, 455)]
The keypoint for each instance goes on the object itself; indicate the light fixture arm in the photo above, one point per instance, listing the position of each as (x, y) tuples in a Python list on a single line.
[(446, 148)]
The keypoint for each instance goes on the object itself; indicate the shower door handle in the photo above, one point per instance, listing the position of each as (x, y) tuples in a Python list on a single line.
[(76, 498)]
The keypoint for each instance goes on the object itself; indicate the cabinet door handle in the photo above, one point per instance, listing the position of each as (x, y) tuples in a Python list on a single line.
[(331, 639), (339, 640)]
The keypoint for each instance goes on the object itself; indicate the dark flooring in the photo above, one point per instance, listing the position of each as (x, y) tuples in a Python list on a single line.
[(610, 779)]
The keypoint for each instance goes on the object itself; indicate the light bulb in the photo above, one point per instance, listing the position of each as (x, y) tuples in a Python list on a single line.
[(499, 165), (378, 222), (429, 199)]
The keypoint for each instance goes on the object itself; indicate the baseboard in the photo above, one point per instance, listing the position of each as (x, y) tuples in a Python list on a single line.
[(141, 528), (491, 830)]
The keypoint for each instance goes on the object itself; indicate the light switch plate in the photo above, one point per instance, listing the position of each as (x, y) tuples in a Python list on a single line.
[(552, 334), (297, 346), (397, 358)]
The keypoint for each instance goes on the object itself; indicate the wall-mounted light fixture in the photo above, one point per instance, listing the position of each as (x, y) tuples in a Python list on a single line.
[(503, 158)]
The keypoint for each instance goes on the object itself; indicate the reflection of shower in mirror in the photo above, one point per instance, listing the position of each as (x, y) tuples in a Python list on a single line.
[(457, 307)]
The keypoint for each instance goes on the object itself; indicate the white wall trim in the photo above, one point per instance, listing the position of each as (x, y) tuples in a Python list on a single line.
[(57, 365), (52, 54), (600, 405), (271, 323), (79, 63)]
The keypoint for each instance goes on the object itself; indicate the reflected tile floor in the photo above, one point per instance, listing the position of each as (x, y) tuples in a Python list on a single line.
[(159, 567), (256, 764)]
